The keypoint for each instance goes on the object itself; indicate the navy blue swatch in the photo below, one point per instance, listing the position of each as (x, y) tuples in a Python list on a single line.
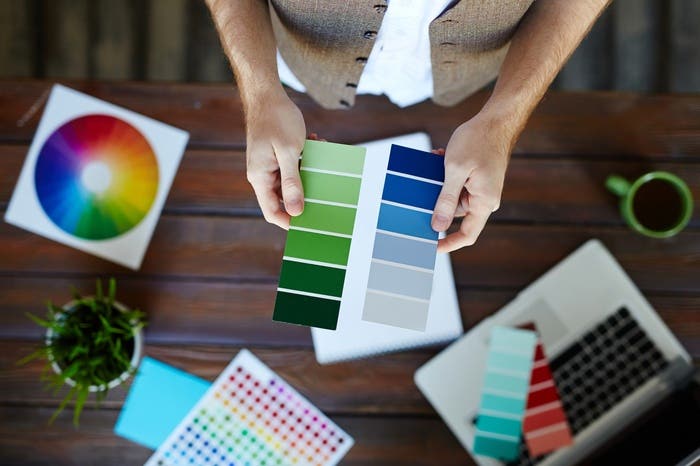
[(417, 163), (406, 221), (411, 192)]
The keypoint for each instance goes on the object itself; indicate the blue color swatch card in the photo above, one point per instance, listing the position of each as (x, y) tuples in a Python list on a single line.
[(160, 397), (405, 245)]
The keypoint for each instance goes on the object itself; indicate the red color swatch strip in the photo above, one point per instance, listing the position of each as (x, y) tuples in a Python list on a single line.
[(545, 426)]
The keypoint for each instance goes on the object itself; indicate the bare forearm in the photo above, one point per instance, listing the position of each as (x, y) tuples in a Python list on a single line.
[(544, 41), (247, 38)]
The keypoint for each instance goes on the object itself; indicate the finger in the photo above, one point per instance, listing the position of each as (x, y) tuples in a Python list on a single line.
[(446, 204), (463, 205), (290, 182), (269, 202), (440, 151), (472, 225), (313, 136)]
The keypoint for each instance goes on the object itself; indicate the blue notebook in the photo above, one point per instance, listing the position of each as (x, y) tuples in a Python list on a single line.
[(159, 398)]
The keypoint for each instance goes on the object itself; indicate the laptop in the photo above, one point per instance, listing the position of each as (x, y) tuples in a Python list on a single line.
[(612, 357)]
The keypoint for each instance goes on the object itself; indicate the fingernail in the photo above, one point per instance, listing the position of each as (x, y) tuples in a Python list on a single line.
[(294, 206), (440, 222)]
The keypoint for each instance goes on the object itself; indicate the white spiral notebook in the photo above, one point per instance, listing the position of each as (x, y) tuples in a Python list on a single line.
[(356, 338)]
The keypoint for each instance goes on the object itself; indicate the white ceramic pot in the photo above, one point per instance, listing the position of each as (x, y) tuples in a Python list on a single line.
[(135, 359)]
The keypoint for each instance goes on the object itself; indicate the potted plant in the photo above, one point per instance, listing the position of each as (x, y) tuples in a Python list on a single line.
[(93, 344)]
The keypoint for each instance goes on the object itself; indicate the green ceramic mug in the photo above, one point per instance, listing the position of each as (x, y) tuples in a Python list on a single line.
[(658, 204)]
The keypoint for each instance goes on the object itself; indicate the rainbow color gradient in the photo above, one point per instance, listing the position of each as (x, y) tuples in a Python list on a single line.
[(96, 177)]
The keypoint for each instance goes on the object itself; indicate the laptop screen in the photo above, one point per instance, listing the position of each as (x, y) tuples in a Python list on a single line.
[(666, 436)]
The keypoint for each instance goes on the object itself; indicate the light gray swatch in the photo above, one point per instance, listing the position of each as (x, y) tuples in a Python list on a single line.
[(396, 311), (398, 280)]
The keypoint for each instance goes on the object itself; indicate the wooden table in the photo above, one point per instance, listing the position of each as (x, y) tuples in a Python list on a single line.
[(208, 280)]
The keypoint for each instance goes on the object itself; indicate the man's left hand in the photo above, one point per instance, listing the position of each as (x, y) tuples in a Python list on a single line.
[(476, 159)]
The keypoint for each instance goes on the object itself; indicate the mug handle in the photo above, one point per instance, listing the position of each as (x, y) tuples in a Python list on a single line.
[(617, 185)]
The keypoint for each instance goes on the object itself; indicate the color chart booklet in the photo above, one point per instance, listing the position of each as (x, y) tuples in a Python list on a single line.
[(355, 337), (325, 247), (96, 177), (250, 416)]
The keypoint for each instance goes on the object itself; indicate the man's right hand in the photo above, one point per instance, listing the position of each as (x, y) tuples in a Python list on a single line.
[(275, 133)]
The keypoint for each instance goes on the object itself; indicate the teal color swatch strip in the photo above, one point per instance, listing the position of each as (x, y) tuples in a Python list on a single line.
[(504, 393), (318, 243)]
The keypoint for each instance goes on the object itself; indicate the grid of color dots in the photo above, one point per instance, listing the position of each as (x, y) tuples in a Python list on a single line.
[(504, 393), (250, 417), (318, 243), (405, 245), (545, 426)]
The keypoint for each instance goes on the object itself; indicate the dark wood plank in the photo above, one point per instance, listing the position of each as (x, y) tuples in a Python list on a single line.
[(114, 45), (206, 61), (685, 46), (573, 190), (167, 40), (66, 38), (17, 38), (250, 249), (382, 385), (202, 312), (591, 65), (193, 190), (568, 190), (222, 313), (637, 36), (27, 440), (614, 125)]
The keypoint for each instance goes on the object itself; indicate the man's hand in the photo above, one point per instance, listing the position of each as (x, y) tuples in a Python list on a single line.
[(275, 134), (477, 154), (475, 165), (274, 125)]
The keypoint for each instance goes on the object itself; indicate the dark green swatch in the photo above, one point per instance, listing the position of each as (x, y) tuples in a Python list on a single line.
[(306, 310), (312, 278)]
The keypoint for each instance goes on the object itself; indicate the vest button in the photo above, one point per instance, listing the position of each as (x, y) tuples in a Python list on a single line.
[(380, 8), (369, 34), (344, 103), (361, 60), (353, 85)]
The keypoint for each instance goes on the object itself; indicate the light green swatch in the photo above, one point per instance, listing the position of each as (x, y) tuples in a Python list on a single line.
[(334, 157), (326, 218), (332, 188)]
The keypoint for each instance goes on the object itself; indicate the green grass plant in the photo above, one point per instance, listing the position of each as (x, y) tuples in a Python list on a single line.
[(91, 341)]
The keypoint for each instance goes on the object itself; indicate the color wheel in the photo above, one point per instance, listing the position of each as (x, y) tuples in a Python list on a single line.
[(96, 177)]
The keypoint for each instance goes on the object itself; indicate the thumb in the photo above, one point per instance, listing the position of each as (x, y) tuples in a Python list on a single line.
[(290, 183), (446, 204)]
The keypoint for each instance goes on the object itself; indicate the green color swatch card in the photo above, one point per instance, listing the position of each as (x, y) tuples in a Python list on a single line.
[(318, 244)]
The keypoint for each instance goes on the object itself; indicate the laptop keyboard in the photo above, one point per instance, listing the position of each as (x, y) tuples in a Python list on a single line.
[(606, 365)]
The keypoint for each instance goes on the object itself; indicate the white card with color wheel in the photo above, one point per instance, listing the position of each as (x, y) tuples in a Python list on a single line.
[(96, 177)]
